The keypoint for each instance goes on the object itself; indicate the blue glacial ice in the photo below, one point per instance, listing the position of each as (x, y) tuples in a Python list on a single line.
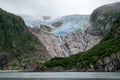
[(71, 23)]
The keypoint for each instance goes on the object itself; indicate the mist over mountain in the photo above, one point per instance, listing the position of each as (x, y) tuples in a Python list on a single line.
[(53, 8), (33, 22)]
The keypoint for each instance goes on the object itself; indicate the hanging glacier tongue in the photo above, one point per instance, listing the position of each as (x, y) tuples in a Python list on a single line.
[(70, 24)]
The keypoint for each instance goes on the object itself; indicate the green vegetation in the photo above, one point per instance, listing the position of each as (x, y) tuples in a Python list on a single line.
[(15, 38), (109, 45), (13, 34)]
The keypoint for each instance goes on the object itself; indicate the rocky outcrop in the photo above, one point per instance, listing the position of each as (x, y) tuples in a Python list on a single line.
[(51, 42), (101, 19), (57, 24), (61, 46), (79, 42), (4, 59), (110, 63)]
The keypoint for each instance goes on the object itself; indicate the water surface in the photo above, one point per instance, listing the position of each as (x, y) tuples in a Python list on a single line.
[(59, 76)]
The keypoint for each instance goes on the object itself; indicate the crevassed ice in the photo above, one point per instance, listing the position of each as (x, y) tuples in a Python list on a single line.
[(71, 24), (68, 28)]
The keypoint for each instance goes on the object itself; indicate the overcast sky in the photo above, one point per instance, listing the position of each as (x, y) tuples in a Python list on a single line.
[(53, 8)]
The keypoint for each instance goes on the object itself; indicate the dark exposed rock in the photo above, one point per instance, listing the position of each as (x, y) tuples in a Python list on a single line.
[(45, 28), (101, 19), (4, 59), (117, 35), (46, 17), (36, 68), (57, 24), (110, 63)]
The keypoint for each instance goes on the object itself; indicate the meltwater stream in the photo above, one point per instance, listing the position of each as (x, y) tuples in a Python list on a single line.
[(60, 76)]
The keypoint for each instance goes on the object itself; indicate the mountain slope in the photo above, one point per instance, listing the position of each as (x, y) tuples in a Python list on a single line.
[(67, 38), (104, 56), (18, 46), (102, 18)]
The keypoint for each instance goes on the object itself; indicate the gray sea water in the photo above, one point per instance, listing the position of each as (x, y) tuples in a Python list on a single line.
[(60, 76)]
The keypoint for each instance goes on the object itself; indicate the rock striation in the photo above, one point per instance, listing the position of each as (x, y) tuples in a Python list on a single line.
[(61, 46)]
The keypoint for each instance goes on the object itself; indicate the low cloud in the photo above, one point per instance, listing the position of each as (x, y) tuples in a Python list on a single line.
[(53, 8)]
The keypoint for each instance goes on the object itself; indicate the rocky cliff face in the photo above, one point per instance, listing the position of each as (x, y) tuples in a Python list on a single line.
[(18, 46), (51, 42), (62, 45), (102, 18)]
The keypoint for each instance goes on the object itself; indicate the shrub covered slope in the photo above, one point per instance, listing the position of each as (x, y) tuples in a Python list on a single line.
[(18, 45), (108, 46)]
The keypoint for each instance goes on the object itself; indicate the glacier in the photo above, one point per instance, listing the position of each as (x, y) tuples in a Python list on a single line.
[(32, 21), (70, 24), (69, 36)]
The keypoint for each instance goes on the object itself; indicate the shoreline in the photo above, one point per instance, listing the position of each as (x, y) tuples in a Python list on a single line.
[(10, 71)]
